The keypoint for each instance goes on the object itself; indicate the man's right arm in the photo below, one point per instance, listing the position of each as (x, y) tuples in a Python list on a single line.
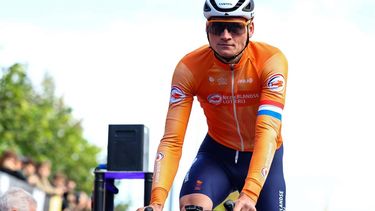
[(170, 148)]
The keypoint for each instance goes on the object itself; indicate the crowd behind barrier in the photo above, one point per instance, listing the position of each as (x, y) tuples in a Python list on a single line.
[(7, 181), (52, 192)]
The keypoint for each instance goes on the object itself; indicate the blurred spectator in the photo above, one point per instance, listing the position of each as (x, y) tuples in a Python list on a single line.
[(18, 164), (29, 171), (69, 198), (17, 199), (70, 202), (62, 190), (9, 163), (84, 202), (55, 193), (71, 186), (44, 172), (59, 182)]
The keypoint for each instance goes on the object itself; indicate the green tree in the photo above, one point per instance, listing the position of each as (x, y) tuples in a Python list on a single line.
[(41, 126)]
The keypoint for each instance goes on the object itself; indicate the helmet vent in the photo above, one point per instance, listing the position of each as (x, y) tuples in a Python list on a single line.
[(249, 7), (206, 8)]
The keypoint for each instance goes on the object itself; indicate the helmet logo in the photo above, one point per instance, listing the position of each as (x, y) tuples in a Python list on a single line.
[(225, 3)]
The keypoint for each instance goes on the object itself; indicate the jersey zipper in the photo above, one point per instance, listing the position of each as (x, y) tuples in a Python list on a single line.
[(235, 113)]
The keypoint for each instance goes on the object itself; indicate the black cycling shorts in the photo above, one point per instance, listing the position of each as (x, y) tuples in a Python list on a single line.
[(215, 174)]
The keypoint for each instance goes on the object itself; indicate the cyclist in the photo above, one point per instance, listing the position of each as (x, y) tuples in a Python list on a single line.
[(240, 85)]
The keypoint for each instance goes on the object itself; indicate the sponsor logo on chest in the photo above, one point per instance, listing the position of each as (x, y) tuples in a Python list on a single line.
[(217, 99)]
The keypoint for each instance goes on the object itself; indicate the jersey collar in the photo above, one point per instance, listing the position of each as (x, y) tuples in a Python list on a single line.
[(246, 55)]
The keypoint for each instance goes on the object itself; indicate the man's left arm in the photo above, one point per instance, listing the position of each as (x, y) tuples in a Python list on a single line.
[(268, 123)]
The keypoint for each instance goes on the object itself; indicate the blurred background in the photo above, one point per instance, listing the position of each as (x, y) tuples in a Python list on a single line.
[(71, 68)]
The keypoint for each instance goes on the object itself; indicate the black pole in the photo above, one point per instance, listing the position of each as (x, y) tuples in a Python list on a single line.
[(109, 196), (147, 188), (99, 191)]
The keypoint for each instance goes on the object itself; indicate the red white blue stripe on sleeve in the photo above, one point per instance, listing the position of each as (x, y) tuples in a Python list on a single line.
[(271, 108)]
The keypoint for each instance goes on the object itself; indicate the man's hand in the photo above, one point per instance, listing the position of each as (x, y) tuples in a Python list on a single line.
[(244, 203), (155, 207)]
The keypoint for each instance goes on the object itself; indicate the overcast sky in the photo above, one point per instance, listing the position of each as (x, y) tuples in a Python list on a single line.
[(112, 62)]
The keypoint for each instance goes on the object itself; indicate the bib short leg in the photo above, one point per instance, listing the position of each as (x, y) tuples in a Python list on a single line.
[(215, 174)]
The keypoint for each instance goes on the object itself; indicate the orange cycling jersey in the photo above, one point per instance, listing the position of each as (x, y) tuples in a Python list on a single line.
[(243, 105)]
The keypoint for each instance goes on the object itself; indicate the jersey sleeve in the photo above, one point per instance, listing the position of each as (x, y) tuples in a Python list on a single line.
[(170, 148), (273, 77)]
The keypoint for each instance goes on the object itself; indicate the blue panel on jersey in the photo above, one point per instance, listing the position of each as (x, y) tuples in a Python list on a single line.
[(270, 113)]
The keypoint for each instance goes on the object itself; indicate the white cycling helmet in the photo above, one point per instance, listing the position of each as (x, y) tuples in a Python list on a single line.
[(229, 8)]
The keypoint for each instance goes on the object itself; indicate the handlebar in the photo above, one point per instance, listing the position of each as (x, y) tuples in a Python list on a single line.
[(187, 208), (229, 205)]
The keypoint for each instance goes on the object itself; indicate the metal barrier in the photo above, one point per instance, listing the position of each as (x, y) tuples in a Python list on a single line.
[(104, 188)]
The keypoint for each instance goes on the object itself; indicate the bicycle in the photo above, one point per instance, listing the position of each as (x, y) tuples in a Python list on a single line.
[(229, 205)]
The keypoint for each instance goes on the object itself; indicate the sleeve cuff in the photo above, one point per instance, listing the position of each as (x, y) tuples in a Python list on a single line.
[(158, 196), (252, 192)]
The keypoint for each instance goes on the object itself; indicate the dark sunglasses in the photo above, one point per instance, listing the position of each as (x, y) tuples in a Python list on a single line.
[(217, 27)]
